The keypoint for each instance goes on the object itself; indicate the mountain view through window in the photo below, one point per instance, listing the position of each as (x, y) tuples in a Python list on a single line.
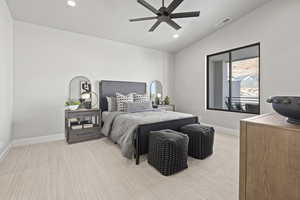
[(233, 80)]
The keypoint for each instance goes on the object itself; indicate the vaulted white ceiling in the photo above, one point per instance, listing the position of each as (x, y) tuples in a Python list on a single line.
[(109, 19)]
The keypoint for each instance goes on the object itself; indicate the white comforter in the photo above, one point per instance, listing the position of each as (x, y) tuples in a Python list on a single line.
[(121, 127)]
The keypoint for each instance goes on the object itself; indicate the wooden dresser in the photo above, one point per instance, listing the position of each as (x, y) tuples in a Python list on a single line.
[(269, 159)]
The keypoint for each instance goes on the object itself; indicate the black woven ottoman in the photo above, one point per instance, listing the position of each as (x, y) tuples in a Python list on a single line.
[(168, 151), (201, 140)]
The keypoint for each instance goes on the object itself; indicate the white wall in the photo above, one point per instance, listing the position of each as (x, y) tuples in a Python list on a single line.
[(47, 59), (276, 26), (6, 75)]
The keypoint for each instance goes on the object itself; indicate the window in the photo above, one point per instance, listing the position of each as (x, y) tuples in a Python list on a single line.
[(233, 80)]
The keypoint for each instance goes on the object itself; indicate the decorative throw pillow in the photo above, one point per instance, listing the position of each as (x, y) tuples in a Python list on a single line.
[(141, 98), (112, 104), (122, 101), (139, 106)]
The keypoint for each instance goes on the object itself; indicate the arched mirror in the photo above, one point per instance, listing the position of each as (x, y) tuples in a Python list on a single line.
[(156, 92), (78, 87), (81, 94)]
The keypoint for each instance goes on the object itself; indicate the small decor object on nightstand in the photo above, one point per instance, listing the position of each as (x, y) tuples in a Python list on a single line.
[(167, 100), (157, 101), (72, 105)]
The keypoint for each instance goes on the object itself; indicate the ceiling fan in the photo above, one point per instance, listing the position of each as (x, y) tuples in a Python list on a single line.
[(165, 14)]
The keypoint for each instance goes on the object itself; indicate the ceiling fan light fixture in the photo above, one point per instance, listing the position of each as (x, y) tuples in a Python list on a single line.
[(175, 36), (71, 3), (165, 14)]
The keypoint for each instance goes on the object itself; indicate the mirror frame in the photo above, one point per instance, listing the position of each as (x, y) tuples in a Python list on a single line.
[(76, 77)]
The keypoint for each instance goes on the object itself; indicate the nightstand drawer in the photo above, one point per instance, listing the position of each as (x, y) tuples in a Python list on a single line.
[(84, 134), (81, 114)]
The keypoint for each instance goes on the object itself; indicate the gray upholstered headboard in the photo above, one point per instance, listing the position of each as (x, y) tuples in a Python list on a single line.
[(109, 88)]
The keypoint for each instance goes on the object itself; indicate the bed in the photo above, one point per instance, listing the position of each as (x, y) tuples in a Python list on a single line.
[(140, 138)]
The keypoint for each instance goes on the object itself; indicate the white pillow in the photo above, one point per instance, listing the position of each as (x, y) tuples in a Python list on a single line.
[(140, 98), (111, 104), (122, 101)]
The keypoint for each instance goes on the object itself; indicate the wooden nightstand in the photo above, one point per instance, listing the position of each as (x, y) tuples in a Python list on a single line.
[(166, 107), (82, 125)]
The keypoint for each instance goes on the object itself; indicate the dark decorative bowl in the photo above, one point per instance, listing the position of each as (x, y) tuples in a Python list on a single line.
[(288, 107)]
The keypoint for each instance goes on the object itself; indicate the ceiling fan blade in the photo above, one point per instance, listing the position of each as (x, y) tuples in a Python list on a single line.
[(185, 14), (174, 5), (155, 26), (148, 6), (173, 24), (142, 19)]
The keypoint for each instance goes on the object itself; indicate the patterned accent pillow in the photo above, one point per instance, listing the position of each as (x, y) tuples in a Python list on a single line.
[(111, 104), (140, 98), (122, 101)]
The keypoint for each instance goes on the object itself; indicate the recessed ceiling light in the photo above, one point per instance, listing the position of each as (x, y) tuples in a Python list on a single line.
[(71, 3), (176, 36)]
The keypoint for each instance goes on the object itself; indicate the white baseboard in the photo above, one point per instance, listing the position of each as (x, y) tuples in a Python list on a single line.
[(37, 140), (220, 129), (5, 152), (229, 131), (56, 137)]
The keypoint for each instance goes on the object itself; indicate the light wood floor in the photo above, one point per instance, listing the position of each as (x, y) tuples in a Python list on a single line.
[(96, 171)]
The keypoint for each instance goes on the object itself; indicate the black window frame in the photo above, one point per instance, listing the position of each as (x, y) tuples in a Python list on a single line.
[(230, 79)]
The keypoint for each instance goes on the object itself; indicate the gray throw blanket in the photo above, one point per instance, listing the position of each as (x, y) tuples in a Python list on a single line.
[(121, 127)]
